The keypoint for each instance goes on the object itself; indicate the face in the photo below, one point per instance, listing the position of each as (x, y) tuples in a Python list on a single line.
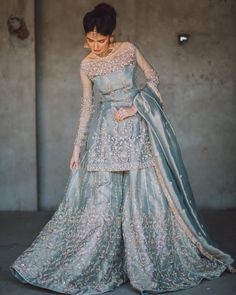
[(97, 42)]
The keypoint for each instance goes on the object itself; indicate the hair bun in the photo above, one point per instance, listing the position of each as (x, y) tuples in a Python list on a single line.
[(104, 7), (103, 17)]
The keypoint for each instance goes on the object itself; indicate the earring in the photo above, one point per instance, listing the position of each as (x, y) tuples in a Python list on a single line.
[(86, 44), (112, 39)]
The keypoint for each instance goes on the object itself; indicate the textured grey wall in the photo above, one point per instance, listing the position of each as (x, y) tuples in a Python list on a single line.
[(18, 190), (197, 84)]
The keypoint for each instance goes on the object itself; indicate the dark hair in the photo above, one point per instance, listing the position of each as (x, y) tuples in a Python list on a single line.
[(103, 17)]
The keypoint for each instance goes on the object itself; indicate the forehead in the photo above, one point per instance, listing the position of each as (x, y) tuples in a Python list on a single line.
[(98, 36)]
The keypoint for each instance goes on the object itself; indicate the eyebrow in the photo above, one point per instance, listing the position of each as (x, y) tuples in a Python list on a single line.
[(98, 40)]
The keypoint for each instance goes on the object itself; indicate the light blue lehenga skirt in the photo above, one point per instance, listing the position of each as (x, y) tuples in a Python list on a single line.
[(140, 226)]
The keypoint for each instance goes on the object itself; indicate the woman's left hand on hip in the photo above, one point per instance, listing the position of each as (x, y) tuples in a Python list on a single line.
[(125, 112)]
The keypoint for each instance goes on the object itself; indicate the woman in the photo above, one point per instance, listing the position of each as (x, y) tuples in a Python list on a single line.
[(129, 212)]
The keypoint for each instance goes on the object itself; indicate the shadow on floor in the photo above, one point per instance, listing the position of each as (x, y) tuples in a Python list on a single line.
[(18, 230)]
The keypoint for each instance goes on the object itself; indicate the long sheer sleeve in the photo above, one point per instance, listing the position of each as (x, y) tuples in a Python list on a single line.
[(86, 110), (149, 72)]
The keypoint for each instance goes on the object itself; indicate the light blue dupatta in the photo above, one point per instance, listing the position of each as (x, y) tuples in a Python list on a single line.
[(173, 176)]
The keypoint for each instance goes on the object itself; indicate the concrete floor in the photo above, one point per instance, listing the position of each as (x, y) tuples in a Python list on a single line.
[(17, 231)]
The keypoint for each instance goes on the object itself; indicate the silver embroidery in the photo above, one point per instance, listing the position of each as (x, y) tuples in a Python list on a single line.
[(151, 76), (153, 81), (87, 108), (122, 149), (81, 247), (105, 66)]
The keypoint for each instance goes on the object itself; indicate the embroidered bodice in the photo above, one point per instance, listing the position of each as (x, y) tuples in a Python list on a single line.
[(114, 145)]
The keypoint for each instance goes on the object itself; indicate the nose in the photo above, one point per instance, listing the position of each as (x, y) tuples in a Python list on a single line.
[(95, 45)]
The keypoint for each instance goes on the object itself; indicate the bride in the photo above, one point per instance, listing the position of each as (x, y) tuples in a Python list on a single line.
[(128, 213)]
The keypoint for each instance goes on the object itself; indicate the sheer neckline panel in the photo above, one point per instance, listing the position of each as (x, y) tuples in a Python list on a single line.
[(123, 47)]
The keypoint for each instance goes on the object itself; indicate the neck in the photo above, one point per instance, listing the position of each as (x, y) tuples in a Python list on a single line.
[(106, 52)]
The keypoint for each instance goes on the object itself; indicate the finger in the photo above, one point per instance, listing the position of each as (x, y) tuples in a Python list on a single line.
[(122, 116), (117, 117), (121, 112), (70, 164)]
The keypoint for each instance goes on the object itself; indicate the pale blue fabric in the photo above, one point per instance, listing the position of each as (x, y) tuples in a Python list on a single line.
[(118, 226), (113, 145)]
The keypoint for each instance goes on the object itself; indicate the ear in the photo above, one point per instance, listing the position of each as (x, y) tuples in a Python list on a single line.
[(112, 37)]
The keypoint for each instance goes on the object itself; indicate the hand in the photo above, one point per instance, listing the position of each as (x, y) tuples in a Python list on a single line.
[(123, 113), (74, 158)]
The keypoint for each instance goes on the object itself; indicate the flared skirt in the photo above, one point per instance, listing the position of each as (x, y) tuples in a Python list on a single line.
[(111, 228)]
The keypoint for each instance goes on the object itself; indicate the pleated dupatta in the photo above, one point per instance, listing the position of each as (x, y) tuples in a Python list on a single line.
[(173, 176)]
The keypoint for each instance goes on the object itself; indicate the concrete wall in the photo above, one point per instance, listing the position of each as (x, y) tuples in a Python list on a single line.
[(197, 84), (18, 185)]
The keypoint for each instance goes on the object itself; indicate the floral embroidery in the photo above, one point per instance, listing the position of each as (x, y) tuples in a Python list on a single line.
[(111, 227), (105, 66), (118, 147), (151, 76), (87, 108), (107, 230)]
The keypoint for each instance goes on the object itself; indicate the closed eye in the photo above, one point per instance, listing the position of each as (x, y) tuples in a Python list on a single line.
[(100, 41)]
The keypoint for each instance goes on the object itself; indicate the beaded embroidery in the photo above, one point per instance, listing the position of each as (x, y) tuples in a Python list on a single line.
[(87, 108), (105, 66), (123, 148), (151, 76)]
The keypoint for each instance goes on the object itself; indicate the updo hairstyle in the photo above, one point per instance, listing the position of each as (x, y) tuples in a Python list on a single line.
[(103, 17)]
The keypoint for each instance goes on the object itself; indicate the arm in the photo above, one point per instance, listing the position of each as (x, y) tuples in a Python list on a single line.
[(150, 74), (86, 110), (85, 114)]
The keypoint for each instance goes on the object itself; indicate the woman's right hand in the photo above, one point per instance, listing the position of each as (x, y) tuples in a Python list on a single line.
[(75, 158)]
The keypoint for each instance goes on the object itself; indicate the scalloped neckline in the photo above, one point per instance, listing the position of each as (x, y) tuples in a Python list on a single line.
[(109, 55)]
